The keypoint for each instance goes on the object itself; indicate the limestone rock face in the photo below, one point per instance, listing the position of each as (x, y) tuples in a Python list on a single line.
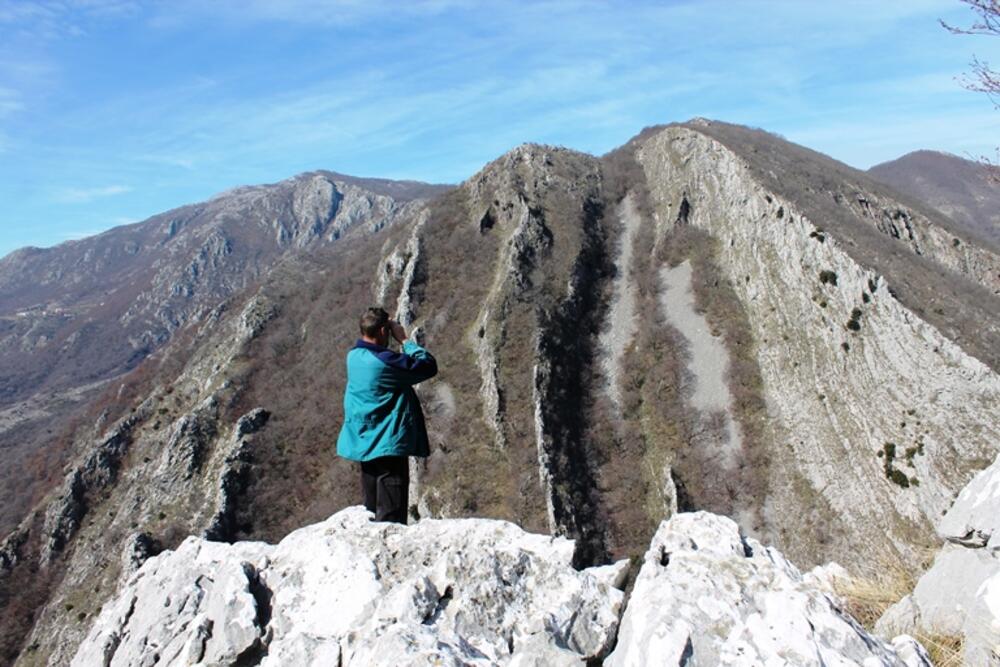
[(469, 592), (960, 594), (706, 595), (189, 606), (834, 340)]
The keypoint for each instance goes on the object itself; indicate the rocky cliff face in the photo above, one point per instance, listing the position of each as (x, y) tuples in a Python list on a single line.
[(708, 318), (839, 348)]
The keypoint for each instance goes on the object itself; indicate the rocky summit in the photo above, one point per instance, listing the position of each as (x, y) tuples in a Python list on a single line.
[(349, 591), (709, 325)]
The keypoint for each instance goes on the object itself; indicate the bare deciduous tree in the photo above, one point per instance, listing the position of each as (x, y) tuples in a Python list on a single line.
[(983, 78)]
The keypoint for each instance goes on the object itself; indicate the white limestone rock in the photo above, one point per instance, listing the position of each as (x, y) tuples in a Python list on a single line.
[(827, 577), (184, 607), (356, 592), (960, 594), (706, 595), (406, 644), (613, 575), (974, 518), (314, 203)]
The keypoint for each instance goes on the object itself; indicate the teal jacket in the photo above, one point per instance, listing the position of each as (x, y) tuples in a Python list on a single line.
[(382, 415)]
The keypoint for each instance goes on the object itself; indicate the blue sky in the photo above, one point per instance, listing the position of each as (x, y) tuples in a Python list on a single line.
[(114, 110)]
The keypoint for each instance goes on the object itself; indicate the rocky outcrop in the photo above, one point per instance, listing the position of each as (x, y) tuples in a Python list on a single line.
[(190, 437), (974, 518), (235, 474), (959, 596), (10, 549), (351, 591), (354, 592), (255, 316), (708, 595), (96, 471)]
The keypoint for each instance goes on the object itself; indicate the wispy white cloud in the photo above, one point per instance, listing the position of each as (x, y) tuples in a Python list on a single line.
[(107, 8), (22, 12), (187, 163), (84, 195)]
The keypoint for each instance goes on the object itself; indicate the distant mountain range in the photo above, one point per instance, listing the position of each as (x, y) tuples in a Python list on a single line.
[(74, 316), (706, 318)]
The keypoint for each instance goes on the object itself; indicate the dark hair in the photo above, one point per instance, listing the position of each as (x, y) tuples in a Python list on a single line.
[(372, 321)]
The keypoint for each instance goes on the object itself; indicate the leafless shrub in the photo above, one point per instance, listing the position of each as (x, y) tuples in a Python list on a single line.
[(983, 78)]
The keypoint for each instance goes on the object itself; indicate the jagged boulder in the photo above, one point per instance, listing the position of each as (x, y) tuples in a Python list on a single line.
[(959, 595), (468, 591), (707, 595)]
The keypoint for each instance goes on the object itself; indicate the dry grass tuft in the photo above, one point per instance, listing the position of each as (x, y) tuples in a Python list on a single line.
[(945, 651), (868, 594)]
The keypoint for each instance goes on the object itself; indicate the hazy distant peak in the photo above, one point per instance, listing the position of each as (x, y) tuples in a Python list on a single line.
[(958, 187), (925, 155)]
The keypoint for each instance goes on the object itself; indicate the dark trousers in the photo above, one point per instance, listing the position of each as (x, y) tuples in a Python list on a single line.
[(385, 483)]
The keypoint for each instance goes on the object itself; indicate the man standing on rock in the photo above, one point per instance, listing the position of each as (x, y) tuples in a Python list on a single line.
[(383, 422)]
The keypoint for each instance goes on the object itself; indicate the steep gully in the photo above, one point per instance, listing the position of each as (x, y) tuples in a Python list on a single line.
[(580, 339)]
